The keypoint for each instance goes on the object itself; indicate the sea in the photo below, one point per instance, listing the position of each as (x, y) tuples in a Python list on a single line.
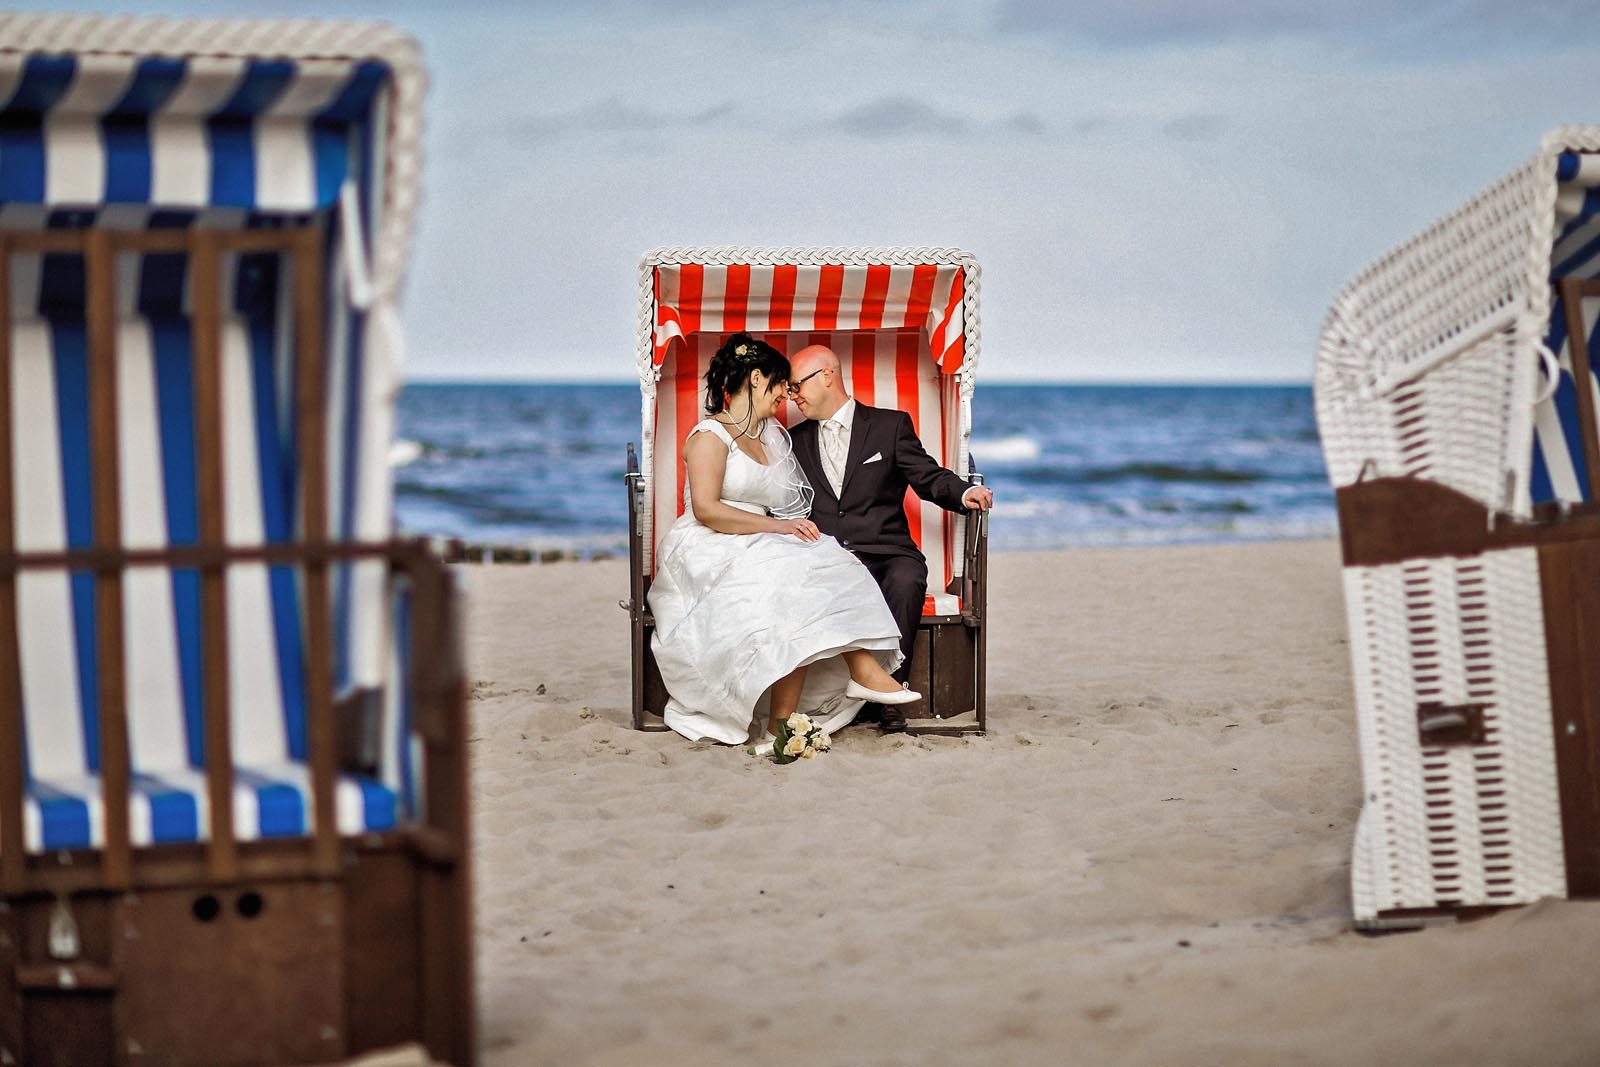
[(541, 465)]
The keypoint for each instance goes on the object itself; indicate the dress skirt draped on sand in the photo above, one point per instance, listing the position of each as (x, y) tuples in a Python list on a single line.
[(736, 612)]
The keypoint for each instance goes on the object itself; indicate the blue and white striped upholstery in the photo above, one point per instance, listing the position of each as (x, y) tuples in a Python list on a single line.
[(1560, 471), (264, 135), (162, 605), (134, 142)]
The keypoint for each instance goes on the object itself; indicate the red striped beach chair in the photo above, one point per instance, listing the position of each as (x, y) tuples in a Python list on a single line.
[(232, 760), (904, 323), (1456, 399)]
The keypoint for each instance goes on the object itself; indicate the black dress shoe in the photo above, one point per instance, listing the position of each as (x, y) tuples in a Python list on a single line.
[(893, 720)]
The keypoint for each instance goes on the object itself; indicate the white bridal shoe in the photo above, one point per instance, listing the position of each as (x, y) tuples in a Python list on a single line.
[(856, 691)]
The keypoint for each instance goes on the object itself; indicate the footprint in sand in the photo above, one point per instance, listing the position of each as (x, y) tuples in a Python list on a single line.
[(606, 920)]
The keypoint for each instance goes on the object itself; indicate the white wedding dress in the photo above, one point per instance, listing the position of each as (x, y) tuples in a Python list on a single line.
[(736, 612)]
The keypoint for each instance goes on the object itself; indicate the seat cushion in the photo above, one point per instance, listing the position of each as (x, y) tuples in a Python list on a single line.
[(941, 604), (172, 807)]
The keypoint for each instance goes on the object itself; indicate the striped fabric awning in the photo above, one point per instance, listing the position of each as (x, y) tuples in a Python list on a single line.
[(266, 135), (693, 298), (1560, 467)]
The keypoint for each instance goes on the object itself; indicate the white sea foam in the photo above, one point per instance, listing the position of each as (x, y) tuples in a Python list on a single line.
[(402, 452), (1017, 448)]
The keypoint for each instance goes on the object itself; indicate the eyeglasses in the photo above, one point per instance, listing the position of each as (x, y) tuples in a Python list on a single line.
[(793, 388)]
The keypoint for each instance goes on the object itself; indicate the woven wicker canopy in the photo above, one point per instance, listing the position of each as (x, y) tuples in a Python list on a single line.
[(1448, 359)]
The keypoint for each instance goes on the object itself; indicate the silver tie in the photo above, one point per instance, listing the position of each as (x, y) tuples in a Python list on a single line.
[(833, 454)]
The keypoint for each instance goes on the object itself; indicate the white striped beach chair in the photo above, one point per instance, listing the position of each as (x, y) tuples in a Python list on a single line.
[(1456, 400), (904, 322), (232, 761)]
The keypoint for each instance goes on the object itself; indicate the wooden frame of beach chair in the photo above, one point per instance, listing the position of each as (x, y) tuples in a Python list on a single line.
[(1456, 402), (233, 778), (904, 322)]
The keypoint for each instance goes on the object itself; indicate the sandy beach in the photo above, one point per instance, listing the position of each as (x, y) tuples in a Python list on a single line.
[(1145, 861)]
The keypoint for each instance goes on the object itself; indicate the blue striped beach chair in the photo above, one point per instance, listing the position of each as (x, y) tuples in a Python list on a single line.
[(232, 768), (1456, 400)]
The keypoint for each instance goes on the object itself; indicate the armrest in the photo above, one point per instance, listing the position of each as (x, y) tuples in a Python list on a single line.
[(975, 560), (635, 483), (358, 724)]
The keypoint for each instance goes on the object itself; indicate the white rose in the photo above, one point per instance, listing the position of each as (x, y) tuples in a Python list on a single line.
[(800, 724), (796, 745), (809, 753), (822, 742)]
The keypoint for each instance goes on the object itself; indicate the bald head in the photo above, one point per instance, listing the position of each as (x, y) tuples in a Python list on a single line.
[(813, 357), (820, 394)]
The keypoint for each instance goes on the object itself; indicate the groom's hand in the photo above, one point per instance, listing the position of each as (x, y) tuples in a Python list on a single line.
[(978, 498)]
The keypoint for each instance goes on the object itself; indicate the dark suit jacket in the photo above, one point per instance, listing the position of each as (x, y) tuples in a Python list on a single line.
[(868, 517)]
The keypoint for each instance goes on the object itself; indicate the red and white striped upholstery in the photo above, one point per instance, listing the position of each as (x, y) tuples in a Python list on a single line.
[(692, 298), (891, 368)]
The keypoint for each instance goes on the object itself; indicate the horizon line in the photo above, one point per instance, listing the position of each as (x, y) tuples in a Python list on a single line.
[(1115, 382)]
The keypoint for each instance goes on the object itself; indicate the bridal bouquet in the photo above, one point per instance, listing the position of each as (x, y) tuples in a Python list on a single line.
[(799, 738)]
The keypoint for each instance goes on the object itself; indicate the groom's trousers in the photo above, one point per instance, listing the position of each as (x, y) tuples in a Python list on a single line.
[(904, 581)]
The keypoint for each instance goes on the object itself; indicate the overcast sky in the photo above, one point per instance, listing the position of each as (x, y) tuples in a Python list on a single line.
[(1156, 190)]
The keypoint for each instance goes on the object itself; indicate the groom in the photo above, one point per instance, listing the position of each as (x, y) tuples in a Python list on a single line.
[(860, 460)]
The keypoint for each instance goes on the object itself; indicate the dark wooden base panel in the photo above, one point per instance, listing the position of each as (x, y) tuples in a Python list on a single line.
[(655, 690), (1399, 920), (1569, 579), (272, 970), (920, 676), (1389, 520)]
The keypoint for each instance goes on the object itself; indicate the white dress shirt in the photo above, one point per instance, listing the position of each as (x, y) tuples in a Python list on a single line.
[(836, 443)]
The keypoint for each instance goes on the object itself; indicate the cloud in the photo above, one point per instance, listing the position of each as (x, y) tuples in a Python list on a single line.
[(897, 116), (611, 116), (1153, 21), (1025, 122), (1200, 126), (714, 114), (1384, 26), (884, 118)]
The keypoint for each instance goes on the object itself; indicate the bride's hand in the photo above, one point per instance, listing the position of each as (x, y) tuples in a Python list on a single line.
[(804, 529)]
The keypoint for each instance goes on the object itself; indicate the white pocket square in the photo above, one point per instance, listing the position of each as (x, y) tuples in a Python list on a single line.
[(872, 458)]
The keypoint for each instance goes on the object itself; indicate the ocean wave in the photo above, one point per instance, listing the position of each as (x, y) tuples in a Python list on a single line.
[(1018, 448), (1153, 472), (1249, 528), (403, 452), (509, 450), (480, 508), (431, 451)]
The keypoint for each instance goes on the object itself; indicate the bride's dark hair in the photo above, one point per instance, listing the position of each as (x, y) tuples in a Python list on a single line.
[(732, 365)]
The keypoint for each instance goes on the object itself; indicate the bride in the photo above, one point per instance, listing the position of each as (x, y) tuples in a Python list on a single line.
[(757, 614)]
